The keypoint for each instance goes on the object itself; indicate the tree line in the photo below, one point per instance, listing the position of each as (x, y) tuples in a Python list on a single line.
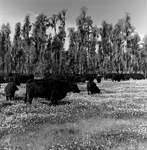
[(92, 49)]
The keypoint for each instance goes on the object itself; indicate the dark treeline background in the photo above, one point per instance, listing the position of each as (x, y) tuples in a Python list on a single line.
[(92, 49)]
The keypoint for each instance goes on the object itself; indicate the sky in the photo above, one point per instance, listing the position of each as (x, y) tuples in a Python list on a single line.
[(14, 11)]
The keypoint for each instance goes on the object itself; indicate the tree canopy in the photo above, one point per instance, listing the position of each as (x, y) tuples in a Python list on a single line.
[(92, 49)]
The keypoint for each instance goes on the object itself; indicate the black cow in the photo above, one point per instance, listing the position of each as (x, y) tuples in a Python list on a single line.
[(2, 79), (92, 87), (116, 77), (51, 89), (10, 90), (99, 78), (9, 77), (56, 76), (90, 77), (137, 76), (107, 76), (126, 77), (22, 78)]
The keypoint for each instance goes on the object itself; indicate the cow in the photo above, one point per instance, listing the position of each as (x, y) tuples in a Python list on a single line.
[(107, 76), (126, 77), (55, 76), (2, 79), (137, 76), (116, 77), (99, 78), (10, 90), (90, 77), (9, 77), (92, 87), (22, 78), (51, 89)]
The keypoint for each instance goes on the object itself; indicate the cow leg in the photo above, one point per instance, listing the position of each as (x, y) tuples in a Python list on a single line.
[(52, 101), (55, 102), (52, 97), (25, 100), (7, 98), (30, 99), (12, 97)]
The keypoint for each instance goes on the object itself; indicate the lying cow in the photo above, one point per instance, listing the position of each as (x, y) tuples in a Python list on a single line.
[(92, 87), (10, 90), (53, 90)]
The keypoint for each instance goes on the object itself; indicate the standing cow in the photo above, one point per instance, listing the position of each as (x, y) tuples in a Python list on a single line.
[(53, 90), (10, 90), (92, 87)]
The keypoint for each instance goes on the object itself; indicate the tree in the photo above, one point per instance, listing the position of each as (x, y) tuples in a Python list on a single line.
[(107, 44), (26, 43), (72, 64), (5, 43), (39, 38), (145, 42), (53, 22), (8, 62), (16, 47), (84, 25)]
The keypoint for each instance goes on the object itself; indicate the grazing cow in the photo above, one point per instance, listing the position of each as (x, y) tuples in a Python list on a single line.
[(61, 88), (10, 90), (92, 87), (77, 78), (99, 78), (51, 89)]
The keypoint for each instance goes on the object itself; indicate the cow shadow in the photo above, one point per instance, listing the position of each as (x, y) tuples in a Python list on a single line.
[(58, 104), (6, 104), (64, 103), (19, 98), (1, 93)]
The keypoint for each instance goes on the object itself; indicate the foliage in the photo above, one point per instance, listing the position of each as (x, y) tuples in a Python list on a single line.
[(92, 49)]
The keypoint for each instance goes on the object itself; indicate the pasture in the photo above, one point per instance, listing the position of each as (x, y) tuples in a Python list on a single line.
[(113, 120)]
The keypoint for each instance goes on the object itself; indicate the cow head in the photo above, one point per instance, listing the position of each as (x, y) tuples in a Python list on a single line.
[(74, 88), (15, 87)]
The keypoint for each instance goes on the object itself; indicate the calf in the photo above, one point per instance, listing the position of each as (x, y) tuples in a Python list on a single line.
[(10, 90), (92, 87)]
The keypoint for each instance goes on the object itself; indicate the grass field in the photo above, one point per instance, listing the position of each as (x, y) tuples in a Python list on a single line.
[(113, 120)]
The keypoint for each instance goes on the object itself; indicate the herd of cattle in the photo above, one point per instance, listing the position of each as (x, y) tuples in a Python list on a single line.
[(55, 87)]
